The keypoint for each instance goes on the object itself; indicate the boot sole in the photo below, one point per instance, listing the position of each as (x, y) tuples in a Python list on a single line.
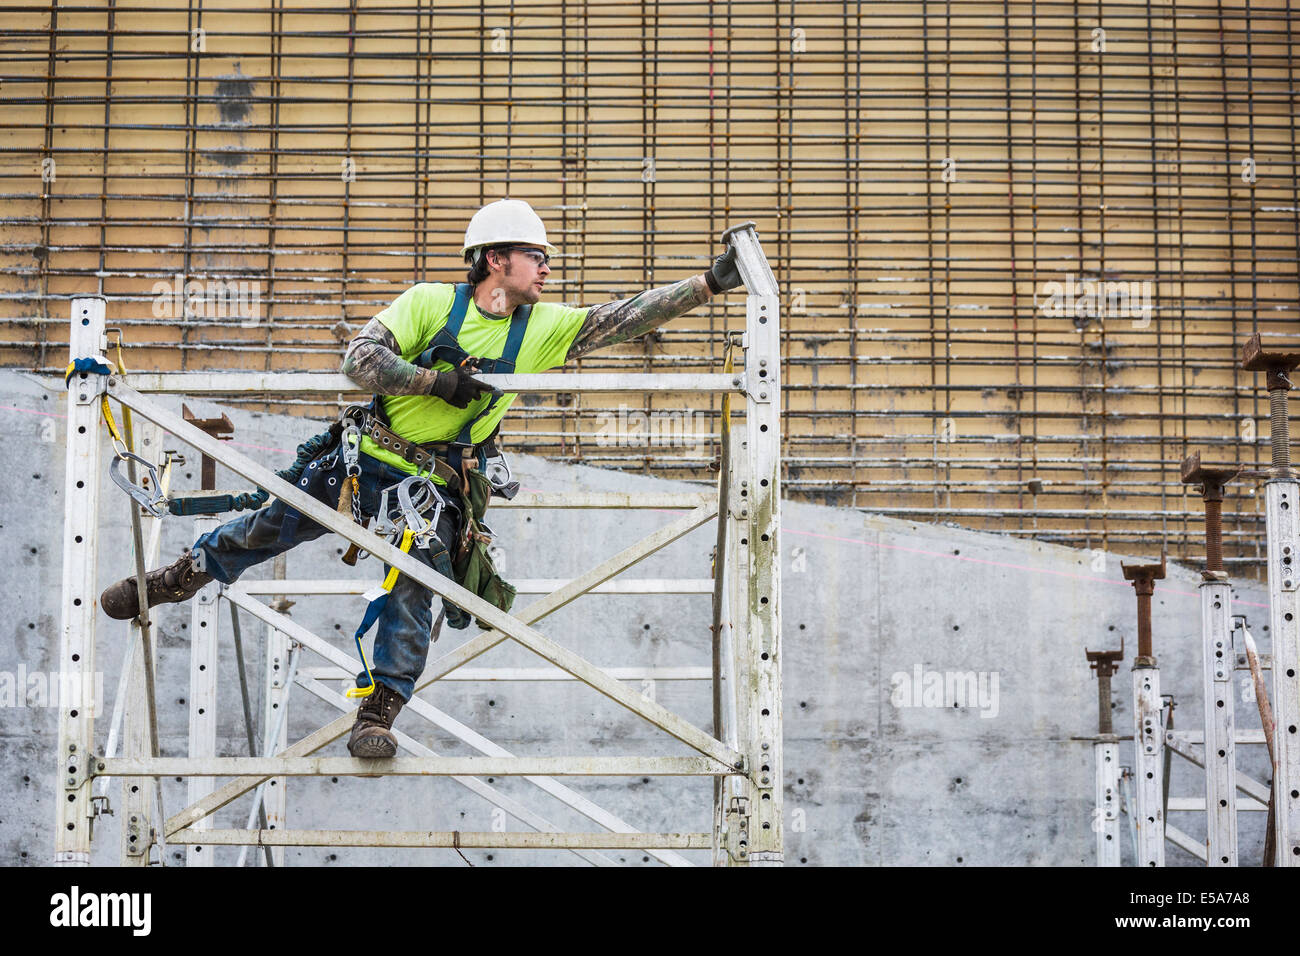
[(373, 747)]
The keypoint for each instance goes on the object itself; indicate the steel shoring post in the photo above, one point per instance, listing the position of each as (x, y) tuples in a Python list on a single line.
[(761, 446), (426, 710), (1282, 498), (77, 632), (203, 693), (1217, 670), (463, 654), (513, 627), (1149, 730), (1130, 805), (1106, 756)]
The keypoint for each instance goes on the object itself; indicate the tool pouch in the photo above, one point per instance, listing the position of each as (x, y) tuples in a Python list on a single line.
[(474, 568)]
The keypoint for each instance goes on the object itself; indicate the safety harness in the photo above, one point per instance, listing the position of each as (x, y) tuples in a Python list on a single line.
[(445, 347)]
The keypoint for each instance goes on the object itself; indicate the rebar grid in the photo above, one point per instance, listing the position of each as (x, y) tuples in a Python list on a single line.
[(925, 378)]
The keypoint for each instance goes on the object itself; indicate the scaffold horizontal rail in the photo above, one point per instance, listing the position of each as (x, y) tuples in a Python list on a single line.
[(533, 673), (305, 586), (605, 499), (448, 838), (331, 383), (413, 766)]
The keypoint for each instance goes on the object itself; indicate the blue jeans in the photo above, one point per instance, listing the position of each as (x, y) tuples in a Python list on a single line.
[(404, 626)]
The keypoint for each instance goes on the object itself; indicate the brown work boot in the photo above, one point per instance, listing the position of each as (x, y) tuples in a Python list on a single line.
[(371, 734), (179, 581)]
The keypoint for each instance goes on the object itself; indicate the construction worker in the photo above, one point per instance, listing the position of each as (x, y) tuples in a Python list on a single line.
[(419, 357)]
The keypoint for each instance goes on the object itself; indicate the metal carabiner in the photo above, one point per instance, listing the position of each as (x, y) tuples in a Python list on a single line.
[(497, 471), (154, 502), (350, 447), (421, 528)]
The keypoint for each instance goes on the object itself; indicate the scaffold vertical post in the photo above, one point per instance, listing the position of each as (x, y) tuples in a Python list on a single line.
[(137, 812), (732, 814), (82, 478), (276, 697), (763, 525), (1282, 498), (204, 620), (1149, 722)]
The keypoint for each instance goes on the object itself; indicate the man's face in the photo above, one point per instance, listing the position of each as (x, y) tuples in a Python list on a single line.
[(523, 274)]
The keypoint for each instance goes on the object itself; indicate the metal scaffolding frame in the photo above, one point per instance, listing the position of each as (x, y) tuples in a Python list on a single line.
[(744, 752)]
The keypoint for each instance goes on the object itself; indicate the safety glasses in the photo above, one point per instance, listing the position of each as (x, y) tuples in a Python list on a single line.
[(539, 258)]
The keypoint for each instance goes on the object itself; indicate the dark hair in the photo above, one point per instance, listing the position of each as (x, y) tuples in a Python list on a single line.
[(479, 271)]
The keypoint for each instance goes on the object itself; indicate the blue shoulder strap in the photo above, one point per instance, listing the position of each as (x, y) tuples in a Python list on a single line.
[(502, 366), (445, 346)]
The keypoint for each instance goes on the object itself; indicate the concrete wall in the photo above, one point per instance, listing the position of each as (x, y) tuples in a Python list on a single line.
[(868, 602)]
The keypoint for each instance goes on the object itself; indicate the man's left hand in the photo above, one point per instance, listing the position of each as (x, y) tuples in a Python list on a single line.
[(723, 276)]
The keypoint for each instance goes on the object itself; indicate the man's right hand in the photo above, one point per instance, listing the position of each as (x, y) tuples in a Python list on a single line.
[(458, 387)]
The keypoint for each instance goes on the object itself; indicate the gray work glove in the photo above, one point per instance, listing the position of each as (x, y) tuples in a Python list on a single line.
[(723, 275), (458, 387)]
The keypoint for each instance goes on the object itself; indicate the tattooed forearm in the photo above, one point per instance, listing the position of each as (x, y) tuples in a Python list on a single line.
[(375, 363), (613, 322)]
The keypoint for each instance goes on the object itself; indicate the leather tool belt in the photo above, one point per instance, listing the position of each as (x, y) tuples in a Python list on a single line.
[(425, 458)]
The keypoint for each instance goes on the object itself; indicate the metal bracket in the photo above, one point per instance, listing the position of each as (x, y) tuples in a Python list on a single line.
[(757, 385), (136, 845), (98, 805), (89, 385), (78, 768), (738, 829)]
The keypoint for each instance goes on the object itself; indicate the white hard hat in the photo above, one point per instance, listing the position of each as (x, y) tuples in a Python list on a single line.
[(506, 221)]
